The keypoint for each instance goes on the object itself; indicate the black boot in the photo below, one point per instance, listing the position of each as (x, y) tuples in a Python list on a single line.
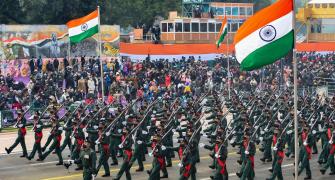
[(322, 171), (114, 163), (140, 169), (308, 177), (7, 150), (164, 176), (78, 168), (60, 163), (106, 175)]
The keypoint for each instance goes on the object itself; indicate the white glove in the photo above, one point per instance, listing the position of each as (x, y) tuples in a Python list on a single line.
[(289, 132), (255, 117), (38, 126), (217, 155), (84, 129), (150, 154), (246, 152), (232, 141), (49, 133), (108, 133), (261, 138), (20, 125), (124, 123), (262, 132), (148, 127), (163, 148), (330, 142), (144, 132), (119, 130), (183, 133), (234, 132), (266, 129), (201, 145), (97, 142), (313, 132), (95, 127), (60, 128), (256, 127), (139, 142), (275, 148), (120, 146), (173, 130), (180, 165), (305, 143)]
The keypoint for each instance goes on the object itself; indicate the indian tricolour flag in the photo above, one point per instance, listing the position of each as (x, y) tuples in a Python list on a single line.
[(265, 37), (223, 32), (85, 27)]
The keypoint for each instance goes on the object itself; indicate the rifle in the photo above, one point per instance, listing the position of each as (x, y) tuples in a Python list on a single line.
[(72, 113), (165, 135), (187, 148), (109, 127), (24, 113), (140, 123)]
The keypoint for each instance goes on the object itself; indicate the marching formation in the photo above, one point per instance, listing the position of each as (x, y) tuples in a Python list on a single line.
[(96, 132)]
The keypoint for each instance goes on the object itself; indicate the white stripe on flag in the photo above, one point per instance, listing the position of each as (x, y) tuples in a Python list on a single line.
[(77, 30), (253, 42)]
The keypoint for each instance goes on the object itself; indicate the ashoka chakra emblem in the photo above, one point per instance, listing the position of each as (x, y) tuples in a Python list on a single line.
[(268, 33), (84, 27)]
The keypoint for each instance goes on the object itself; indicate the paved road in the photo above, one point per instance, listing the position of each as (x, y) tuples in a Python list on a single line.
[(12, 167)]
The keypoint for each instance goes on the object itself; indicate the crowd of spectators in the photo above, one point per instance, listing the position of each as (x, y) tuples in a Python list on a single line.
[(79, 78)]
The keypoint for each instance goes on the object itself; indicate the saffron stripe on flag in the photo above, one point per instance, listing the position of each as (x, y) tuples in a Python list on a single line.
[(264, 17), (79, 21)]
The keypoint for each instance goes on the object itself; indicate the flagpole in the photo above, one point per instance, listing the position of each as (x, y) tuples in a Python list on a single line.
[(228, 65), (295, 87), (68, 50), (101, 62)]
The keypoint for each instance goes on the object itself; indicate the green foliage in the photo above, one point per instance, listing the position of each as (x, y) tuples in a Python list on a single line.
[(122, 12)]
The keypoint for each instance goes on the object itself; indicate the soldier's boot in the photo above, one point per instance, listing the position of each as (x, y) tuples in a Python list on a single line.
[(332, 173), (168, 162), (269, 160), (323, 171), (308, 177), (165, 173), (8, 150), (106, 175)]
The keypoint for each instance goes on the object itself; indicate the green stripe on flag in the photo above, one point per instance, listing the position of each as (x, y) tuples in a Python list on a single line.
[(90, 32), (223, 35), (269, 53)]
